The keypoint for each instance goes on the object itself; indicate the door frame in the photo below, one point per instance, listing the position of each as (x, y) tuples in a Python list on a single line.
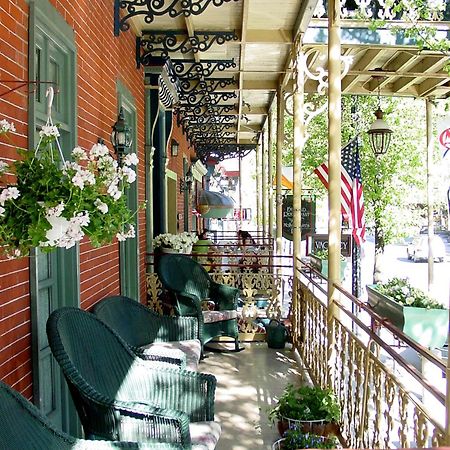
[(46, 22), (129, 252)]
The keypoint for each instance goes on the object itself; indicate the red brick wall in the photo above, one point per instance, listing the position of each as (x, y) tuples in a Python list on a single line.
[(102, 58), (15, 329), (185, 151)]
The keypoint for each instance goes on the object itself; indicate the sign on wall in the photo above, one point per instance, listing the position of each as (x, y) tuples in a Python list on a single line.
[(320, 242), (308, 216)]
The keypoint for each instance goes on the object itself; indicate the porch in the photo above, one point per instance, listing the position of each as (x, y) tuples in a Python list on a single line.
[(391, 389)]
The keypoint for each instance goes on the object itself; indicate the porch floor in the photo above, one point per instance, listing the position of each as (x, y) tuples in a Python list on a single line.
[(247, 384)]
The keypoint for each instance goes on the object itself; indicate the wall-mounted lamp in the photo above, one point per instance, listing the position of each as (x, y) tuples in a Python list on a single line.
[(121, 138), (174, 148), (186, 183), (379, 132)]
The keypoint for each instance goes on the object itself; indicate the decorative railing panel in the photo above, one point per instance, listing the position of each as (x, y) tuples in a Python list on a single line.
[(385, 403)]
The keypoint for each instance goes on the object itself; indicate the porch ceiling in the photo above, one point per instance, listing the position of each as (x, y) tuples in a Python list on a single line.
[(258, 59)]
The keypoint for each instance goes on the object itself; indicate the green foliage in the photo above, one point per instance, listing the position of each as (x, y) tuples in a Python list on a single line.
[(394, 183), (307, 403), (401, 291), (323, 254), (295, 439), (87, 196)]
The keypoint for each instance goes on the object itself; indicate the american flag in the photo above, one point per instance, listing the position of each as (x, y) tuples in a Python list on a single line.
[(352, 200)]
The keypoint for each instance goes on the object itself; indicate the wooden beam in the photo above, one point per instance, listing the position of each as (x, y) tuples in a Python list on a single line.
[(269, 37), (363, 63)]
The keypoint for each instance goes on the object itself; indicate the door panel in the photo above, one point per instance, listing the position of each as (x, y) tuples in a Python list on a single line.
[(54, 276)]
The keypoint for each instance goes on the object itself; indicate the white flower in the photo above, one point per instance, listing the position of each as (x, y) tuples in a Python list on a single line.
[(98, 150), (8, 194), (78, 180), (79, 154), (114, 191), (83, 177), (2, 211), (56, 211), (130, 160), (131, 233), (69, 165), (107, 162), (129, 174), (102, 207), (82, 219), (4, 166), (49, 130), (6, 126)]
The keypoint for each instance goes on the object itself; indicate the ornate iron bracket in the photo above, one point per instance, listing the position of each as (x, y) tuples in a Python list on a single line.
[(154, 8), (161, 43), (223, 151), (209, 85), (191, 70), (213, 98)]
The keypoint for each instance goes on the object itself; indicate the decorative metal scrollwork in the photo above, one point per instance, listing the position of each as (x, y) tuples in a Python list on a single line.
[(210, 128), (191, 70), (150, 9), (161, 43), (203, 86), (213, 98), (224, 151)]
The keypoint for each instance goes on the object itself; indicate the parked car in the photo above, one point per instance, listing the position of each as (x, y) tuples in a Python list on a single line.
[(418, 249)]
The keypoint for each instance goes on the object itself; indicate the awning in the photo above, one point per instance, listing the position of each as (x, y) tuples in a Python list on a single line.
[(287, 177), (214, 205)]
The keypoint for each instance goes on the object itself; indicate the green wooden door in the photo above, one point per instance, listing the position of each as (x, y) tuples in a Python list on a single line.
[(129, 249), (54, 277)]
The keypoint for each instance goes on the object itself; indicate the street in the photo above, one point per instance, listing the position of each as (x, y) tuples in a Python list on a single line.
[(396, 264)]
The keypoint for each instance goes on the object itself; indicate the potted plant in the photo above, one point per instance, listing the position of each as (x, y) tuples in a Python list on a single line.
[(307, 408), (175, 243), (294, 439), (319, 260), (411, 310), (48, 202)]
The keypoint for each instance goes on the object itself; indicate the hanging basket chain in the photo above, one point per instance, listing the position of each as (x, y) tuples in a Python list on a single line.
[(50, 94)]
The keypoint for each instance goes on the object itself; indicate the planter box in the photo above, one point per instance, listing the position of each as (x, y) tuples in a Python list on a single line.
[(429, 327), (322, 265)]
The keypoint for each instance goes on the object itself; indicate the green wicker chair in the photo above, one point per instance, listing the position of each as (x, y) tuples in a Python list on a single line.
[(23, 426), (191, 285), (119, 396), (149, 333)]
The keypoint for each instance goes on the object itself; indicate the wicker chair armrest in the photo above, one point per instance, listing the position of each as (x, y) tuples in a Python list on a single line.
[(105, 445), (181, 390), (139, 422), (162, 357), (224, 296), (133, 421), (178, 328)]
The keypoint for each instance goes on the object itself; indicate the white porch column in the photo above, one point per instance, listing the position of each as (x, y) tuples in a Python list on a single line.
[(270, 173), (430, 145), (280, 139), (334, 170)]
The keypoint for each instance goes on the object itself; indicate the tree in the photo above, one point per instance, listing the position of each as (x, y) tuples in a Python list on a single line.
[(394, 183)]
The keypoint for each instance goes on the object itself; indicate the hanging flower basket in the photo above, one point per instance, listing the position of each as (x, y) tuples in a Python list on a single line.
[(48, 202)]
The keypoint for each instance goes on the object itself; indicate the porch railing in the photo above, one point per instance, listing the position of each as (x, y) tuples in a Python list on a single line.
[(386, 401), (391, 389)]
